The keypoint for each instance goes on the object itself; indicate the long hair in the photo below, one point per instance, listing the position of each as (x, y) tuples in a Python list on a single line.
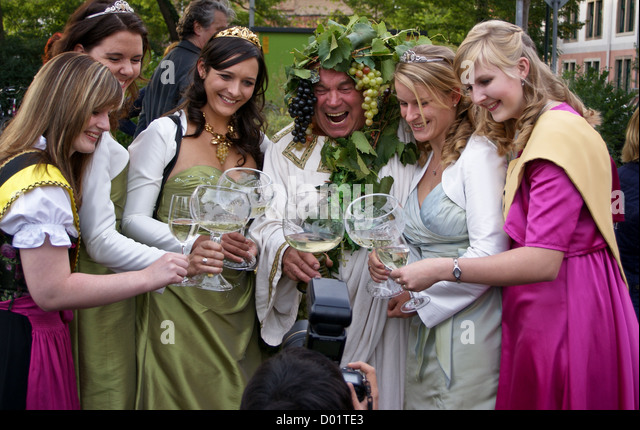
[(92, 31), (220, 53), (630, 147), (440, 81), (502, 44), (58, 104)]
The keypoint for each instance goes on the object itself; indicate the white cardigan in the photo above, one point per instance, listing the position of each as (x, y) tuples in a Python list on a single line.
[(475, 183)]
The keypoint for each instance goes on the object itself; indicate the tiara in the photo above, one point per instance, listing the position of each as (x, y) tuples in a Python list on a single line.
[(120, 6), (411, 57), (241, 32)]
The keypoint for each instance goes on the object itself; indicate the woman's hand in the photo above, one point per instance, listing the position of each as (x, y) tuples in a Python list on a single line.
[(421, 274), (379, 273), (206, 257)]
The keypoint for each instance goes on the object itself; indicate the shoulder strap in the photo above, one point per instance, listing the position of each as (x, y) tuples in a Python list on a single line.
[(17, 163), (172, 163)]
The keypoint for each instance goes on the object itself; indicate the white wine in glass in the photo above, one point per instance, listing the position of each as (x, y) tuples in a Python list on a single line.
[(182, 226), (260, 189), (373, 221), (313, 223), (219, 210)]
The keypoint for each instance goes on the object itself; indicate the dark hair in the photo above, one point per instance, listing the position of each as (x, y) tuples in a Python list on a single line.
[(90, 33), (202, 12), (221, 53), (297, 378)]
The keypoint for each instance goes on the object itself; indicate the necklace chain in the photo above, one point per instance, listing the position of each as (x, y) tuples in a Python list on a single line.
[(220, 141)]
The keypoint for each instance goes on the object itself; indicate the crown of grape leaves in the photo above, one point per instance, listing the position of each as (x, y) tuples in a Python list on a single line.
[(368, 52)]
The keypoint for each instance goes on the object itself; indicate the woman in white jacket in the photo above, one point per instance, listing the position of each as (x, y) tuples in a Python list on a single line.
[(453, 209), (103, 337)]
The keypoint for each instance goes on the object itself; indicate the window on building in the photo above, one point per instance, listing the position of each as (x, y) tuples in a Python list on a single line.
[(568, 66), (572, 19), (626, 15), (594, 19), (623, 73), (592, 64)]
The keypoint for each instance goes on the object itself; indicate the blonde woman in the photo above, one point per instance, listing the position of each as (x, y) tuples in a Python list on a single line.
[(453, 210), (569, 335), (104, 337), (43, 154)]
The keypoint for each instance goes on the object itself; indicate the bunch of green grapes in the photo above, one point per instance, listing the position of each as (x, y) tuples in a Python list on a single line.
[(301, 110), (370, 82)]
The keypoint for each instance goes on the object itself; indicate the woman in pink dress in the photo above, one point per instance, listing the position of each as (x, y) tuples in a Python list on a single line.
[(569, 331)]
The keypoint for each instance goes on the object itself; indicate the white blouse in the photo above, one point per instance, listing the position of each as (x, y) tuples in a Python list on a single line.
[(42, 211)]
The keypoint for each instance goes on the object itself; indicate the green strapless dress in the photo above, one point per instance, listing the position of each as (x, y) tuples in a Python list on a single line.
[(196, 348), (103, 338)]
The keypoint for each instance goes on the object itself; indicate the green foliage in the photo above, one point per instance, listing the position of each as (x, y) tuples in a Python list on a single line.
[(21, 59), (357, 159), (614, 104)]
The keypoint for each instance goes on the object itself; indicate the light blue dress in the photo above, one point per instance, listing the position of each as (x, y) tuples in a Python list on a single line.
[(455, 364)]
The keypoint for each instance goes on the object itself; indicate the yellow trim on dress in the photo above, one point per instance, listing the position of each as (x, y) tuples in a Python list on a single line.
[(33, 176)]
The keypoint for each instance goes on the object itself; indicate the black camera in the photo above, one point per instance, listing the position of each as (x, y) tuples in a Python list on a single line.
[(325, 331), (358, 381), (329, 314)]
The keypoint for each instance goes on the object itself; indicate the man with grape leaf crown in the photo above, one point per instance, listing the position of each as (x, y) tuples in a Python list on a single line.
[(347, 132)]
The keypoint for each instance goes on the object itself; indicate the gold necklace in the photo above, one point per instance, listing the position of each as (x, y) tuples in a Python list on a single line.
[(219, 140)]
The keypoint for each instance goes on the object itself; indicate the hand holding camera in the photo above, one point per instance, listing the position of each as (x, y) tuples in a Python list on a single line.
[(361, 378)]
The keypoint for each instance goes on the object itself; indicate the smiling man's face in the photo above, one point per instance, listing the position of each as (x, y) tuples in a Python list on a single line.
[(338, 111)]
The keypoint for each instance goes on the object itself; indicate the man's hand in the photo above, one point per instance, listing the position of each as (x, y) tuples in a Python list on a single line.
[(301, 266)]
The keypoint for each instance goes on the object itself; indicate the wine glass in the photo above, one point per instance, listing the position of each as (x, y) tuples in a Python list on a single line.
[(219, 210), (182, 226), (373, 221), (395, 255), (259, 187), (313, 223)]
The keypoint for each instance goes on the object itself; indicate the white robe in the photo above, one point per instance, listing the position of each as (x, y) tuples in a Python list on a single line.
[(371, 337)]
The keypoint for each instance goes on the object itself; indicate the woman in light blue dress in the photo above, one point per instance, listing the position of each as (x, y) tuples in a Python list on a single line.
[(453, 210)]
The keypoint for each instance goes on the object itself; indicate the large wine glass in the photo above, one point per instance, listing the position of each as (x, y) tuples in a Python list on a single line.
[(373, 221), (312, 222), (219, 210), (395, 255), (182, 226), (259, 187)]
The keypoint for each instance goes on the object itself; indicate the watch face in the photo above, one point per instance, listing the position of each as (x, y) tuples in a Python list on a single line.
[(457, 272)]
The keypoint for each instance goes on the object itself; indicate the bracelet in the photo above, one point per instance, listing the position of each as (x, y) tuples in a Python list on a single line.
[(456, 270)]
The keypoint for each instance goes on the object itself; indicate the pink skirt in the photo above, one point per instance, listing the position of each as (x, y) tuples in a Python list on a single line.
[(52, 379)]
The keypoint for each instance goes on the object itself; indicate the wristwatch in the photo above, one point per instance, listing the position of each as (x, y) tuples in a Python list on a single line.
[(456, 270)]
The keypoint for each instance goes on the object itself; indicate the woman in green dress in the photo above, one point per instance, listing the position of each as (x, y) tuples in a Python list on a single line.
[(197, 348)]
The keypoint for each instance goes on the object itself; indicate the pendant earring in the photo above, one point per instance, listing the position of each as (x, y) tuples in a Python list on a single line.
[(522, 82)]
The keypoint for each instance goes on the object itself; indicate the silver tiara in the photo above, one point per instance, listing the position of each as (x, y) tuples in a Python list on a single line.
[(411, 57), (120, 6)]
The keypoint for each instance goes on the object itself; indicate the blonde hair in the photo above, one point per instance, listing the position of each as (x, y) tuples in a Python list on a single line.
[(58, 105), (439, 79), (502, 44), (630, 147)]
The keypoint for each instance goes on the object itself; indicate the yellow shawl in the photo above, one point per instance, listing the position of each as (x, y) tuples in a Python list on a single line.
[(567, 140)]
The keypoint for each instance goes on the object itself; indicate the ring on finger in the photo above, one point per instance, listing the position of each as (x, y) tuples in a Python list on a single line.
[(204, 260)]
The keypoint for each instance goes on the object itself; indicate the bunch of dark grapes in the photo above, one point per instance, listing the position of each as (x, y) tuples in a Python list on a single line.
[(301, 110)]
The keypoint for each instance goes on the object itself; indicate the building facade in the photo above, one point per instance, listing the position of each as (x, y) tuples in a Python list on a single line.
[(607, 41)]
